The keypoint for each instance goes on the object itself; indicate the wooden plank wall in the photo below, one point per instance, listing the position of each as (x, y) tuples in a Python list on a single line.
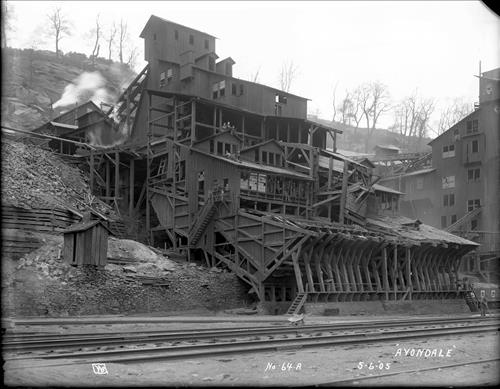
[(38, 219)]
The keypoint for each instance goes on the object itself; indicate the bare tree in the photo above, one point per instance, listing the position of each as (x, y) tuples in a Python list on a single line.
[(132, 57), (122, 39), (412, 117), (59, 26), (97, 33), (110, 39), (287, 75), (452, 114), (334, 102), (254, 77), (373, 100)]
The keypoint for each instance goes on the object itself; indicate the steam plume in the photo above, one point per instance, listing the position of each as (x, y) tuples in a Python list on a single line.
[(87, 86)]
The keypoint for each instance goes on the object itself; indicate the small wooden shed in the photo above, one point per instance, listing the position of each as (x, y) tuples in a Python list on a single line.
[(86, 243)]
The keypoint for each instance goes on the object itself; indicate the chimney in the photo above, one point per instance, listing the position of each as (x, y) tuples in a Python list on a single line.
[(87, 216)]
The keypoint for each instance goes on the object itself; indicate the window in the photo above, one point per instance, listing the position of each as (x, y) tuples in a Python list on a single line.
[(169, 74), (191, 39), (215, 90), (473, 204), (448, 151), (475, 146), (279, 98), (220, 147), (264, 157), (271, 158), (420, 183), (211, 145), (241, 89), (445, 200), (233, 89), (473, 224), (206, 44), (257, 159), (443, 221), (227, 148), (472, 126), (453, 219), (452, 199), (473, 175), (176, 33), (448, 182), (222, 88), (278, 160), (162, 79)]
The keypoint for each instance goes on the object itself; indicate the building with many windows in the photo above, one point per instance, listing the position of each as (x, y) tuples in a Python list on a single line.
[(460, 191)]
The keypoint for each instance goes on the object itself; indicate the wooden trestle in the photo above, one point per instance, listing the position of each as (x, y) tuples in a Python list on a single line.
[(304, 250)]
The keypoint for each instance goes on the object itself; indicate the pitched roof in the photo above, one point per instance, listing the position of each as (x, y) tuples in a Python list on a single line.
[(141, 35), (228, 132), (84, 226)]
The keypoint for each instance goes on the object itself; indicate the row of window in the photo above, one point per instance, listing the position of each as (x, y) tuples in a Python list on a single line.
[(223, 148), (191, 39), (219, 89), (449, 150), (268, 158)]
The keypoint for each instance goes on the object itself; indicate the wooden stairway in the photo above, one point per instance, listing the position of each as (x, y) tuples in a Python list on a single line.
[(205, 216), (471, 302), (297, 304)]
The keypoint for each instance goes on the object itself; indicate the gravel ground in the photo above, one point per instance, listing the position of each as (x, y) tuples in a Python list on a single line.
[(293, 367)]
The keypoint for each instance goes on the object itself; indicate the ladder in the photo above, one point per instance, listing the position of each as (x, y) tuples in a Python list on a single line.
[(297, 304), (471, 301)]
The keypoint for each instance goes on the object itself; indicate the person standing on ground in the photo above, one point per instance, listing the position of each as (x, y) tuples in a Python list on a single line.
[(483, 305)]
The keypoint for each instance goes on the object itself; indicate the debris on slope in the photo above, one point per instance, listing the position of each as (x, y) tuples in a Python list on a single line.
[(36, 178)]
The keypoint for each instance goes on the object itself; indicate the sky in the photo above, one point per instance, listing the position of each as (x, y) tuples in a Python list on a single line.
[(431, 47)]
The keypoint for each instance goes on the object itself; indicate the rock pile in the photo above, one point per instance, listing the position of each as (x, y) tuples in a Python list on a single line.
[(37, 178)]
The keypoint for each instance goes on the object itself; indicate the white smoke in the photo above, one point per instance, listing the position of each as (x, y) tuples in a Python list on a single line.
[(87, 86)]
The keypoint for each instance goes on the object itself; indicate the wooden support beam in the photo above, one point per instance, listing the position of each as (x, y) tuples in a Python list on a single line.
[(307, 261), (193, 121), (108, 179), (394, 270), (344, 194), (296, 270), (131, 187), (384, 273), (117, 174), (408, 271), (92, 167)]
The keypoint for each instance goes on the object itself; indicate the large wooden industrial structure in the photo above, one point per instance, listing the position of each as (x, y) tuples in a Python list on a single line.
[(232, 173)]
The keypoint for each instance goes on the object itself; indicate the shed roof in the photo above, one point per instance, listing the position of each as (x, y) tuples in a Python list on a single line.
[(399, 226), (381, 188), (388, 147), (256, 166), (84, 226)]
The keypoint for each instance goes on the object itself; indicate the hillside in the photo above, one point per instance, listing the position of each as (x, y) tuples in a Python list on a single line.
[(33, 80), (353, 139)]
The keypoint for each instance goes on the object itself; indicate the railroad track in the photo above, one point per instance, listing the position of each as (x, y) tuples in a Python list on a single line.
[(30, 342), (189, 344)]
